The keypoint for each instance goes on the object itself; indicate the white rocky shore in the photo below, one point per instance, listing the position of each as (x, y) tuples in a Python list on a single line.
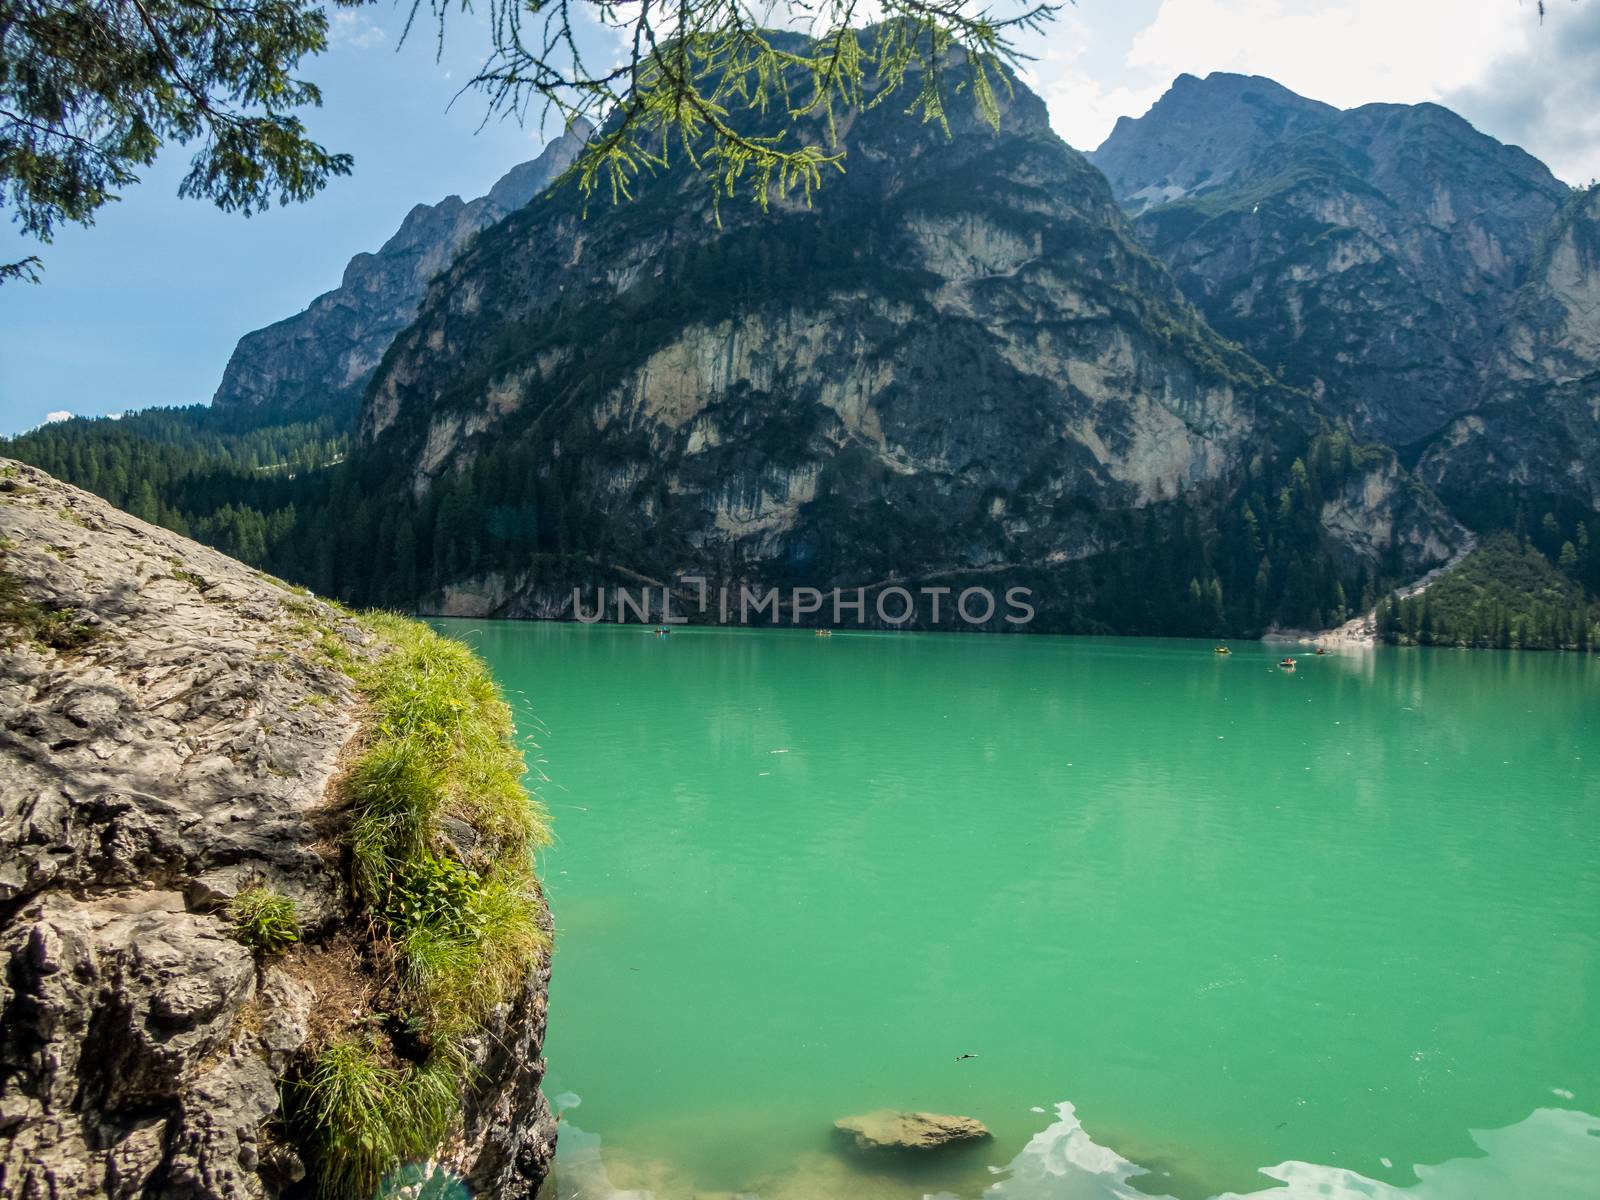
[(1362, 632)]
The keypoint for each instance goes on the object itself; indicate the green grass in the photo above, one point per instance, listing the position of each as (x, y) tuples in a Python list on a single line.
[(462, 925), (371, 1115), (264, 919)]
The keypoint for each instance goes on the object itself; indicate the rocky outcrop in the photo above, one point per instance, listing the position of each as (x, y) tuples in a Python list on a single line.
[(171, 731), (325, 355), (889, 1130), (1381, 507), (1367, 255)]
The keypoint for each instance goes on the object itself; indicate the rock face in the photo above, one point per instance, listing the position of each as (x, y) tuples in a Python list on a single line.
[(958, 358), (1536, 426), (179, 746), (1384, 506), (326, 354), (889, 1130), (1370, 255)]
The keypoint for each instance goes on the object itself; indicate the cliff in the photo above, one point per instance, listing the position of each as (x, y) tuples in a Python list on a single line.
[(1535, 429), (186, 746), (325, 354)]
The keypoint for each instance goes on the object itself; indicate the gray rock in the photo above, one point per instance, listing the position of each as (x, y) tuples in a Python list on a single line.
[(890, 1130), (956, 364), (1368, 255), (183, 753), (1199, 134), (1535, 427)]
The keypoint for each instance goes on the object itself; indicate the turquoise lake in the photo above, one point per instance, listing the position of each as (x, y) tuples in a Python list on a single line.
[(1208, 927)]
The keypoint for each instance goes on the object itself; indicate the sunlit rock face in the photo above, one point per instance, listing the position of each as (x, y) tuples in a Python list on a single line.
[(1370, 256)]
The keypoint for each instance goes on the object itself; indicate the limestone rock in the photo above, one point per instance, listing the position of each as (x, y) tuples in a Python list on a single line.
[(956, 363), (180, 750), (1431, 287), (890, 1130), (1536, 428), (1368, 255)]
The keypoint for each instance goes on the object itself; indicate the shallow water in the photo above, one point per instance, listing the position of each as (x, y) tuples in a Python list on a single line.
[(1207, 926)]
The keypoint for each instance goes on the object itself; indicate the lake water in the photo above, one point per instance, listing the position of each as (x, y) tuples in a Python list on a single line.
[(1207, 926)]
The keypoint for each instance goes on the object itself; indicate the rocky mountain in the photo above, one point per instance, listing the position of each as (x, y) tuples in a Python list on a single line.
[(1201, 133), (175, 728), (957, 360), (1370, 256), (328, 352)]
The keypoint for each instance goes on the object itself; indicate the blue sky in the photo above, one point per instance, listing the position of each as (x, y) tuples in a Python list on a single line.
[(144, 307)]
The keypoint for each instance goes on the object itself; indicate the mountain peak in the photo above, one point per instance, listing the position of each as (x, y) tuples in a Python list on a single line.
[(1269, 207), (1200, 132), (325, 354)]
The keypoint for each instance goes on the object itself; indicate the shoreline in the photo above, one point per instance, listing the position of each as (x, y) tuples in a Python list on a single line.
[(1362, 632)]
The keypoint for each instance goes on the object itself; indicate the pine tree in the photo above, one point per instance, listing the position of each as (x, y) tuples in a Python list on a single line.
[(144, 504), (1568, 561)]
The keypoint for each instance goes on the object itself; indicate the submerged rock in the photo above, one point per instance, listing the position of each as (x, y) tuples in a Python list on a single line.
[(889, 1130)]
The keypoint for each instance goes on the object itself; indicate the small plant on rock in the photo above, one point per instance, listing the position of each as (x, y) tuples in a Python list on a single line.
[(264, 919), (26, 620)]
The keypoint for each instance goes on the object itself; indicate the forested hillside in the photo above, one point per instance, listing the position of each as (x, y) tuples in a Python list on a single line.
[(200, 471), (283, 498), (1504, 595)]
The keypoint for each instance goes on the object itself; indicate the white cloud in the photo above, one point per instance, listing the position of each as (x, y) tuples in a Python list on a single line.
[(347, 28), (1085, 99), (50, 418), (1545, 95), (1345, 53)]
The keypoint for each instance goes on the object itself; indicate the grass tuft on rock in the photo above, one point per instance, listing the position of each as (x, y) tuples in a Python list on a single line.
[(24, 620), (372, 1115), (264, 919), (441, 844)]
